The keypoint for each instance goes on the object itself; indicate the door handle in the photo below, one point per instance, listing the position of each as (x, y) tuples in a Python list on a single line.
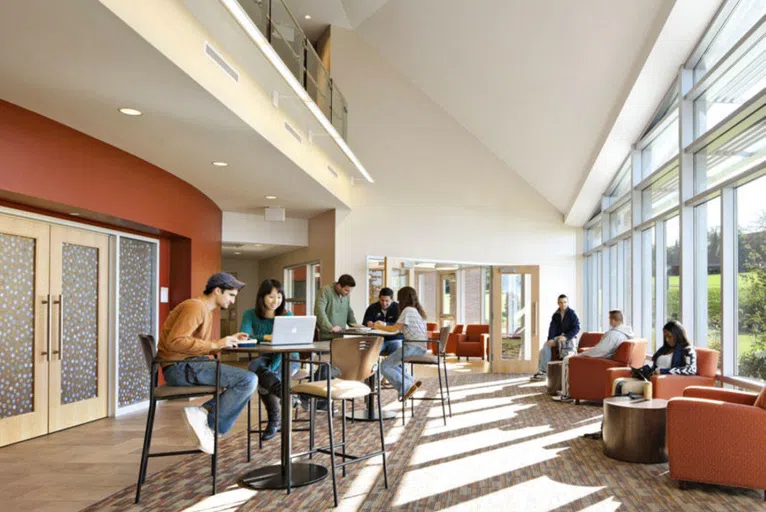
[(60, 350), (47, 351)]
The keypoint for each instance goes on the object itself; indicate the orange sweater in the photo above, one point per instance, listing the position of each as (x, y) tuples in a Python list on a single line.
[(187, 331)]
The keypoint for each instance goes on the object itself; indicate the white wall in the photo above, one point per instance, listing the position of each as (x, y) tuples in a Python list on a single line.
[(247, 272), (252, 228), (439, 193)]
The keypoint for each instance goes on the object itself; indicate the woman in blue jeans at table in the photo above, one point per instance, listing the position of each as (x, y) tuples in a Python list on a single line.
[(412, 324), (259, 324)]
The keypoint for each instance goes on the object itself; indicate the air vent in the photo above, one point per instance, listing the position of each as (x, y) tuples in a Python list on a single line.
[(332, 171), (293, 132), (218, 59)]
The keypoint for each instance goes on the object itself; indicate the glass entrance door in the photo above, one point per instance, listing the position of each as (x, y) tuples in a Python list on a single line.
[(515, 319)]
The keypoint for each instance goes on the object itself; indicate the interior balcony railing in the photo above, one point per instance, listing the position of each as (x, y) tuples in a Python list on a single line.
[(276, 22)]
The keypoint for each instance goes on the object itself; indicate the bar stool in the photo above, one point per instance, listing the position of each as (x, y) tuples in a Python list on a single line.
[(168, 392)]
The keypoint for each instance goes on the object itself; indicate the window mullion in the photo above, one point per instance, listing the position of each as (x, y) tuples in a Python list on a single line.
[(728, 281)]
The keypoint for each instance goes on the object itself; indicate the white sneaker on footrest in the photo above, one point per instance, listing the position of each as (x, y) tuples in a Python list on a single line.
[(196, 421)]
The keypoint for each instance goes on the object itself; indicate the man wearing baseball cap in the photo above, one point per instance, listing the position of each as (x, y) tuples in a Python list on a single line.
[(186, 338)]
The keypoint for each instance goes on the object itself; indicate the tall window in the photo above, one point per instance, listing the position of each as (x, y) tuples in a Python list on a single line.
[(648, 286), (707, 275), (672, 270), (751, 282)]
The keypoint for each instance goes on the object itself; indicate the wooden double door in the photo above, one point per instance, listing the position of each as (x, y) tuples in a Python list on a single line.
[(54, 298)]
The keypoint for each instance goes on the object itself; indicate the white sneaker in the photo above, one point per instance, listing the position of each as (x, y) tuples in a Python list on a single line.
[(196, 421)]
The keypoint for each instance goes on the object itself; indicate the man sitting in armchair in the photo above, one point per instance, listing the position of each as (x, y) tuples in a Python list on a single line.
[(605, 349)]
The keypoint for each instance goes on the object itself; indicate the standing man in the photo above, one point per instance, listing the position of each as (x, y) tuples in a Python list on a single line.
[(333, 307), (563, 331), (386, 311), (186, 338)]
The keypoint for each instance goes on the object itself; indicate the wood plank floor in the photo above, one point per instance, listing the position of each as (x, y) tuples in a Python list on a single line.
[(72, 469)]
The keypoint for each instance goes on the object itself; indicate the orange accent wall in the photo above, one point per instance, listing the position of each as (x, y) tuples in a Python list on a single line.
[(48, 165)]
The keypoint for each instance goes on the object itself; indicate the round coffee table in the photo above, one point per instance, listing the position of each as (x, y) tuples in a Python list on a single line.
[(634, 430), (554, 377)]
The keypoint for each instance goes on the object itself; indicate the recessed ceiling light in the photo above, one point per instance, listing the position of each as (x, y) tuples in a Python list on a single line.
[(237, 253), (271, 197), (75, 214), (259, 245), (220, 164), (130, 112), (308, 16)]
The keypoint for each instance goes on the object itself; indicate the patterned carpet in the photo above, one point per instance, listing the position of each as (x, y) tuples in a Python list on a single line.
[(507, 447)]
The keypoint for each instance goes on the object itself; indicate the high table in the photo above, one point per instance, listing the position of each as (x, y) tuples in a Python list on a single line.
[(371, 413), (297, 474)]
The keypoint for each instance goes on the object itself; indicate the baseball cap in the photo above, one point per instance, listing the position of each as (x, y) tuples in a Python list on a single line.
[(224, 280)]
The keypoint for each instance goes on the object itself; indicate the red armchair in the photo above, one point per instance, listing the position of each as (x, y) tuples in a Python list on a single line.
[(432, 331), (455, 336), (587, 340), (474, 342), (588, 376), (668, 386), (717, 436)]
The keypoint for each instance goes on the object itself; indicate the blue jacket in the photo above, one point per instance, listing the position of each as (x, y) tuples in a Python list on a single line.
[(684, 360), (569, 327)]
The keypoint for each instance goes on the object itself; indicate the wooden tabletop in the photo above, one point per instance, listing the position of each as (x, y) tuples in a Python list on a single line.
[(265, 348), (624, 401)]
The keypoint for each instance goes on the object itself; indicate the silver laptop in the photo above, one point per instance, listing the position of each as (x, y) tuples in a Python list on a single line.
[(293, 330)]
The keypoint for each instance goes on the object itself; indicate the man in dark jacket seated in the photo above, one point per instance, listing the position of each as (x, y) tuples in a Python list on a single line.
[(563, 331), (385, 310)]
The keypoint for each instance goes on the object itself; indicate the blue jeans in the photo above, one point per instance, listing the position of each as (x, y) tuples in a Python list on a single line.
[(265, 362), (240, 385), (390, 346), (392, 367), (546, 355)]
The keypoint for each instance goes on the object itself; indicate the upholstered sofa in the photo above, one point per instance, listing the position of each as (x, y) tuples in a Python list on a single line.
[(718, 436), (668, 386), (589, 378)]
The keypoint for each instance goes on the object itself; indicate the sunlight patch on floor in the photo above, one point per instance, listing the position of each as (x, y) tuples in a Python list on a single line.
[(227, 501), (444, 448), (463, 407), (436, 426), (436, 478), (539, 495), (363, 477), (493, 383)]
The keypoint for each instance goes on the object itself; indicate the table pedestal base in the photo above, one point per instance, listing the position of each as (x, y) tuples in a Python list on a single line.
[(273, 477)]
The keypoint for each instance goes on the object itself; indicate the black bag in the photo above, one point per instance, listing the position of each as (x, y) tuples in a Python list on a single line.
[(643, 373)]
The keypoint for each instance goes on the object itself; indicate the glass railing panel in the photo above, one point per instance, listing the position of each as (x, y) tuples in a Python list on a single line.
[(339, 112), (287, 38), (318, 81), (258, 11)]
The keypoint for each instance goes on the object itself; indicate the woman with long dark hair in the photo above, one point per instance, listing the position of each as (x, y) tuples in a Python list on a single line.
[(412, 324), (676, 355), (259, 324)]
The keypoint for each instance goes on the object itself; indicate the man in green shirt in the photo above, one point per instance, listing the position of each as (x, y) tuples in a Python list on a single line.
[(333, 307)]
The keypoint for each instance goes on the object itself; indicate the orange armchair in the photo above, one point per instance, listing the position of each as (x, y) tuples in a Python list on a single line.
[(474, 343), (432, 331), (455, 336), (587, 340), (717, 436), (668, 386), (589, 378)]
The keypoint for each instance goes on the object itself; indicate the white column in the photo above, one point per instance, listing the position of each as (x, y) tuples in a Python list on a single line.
[(686, 217)]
